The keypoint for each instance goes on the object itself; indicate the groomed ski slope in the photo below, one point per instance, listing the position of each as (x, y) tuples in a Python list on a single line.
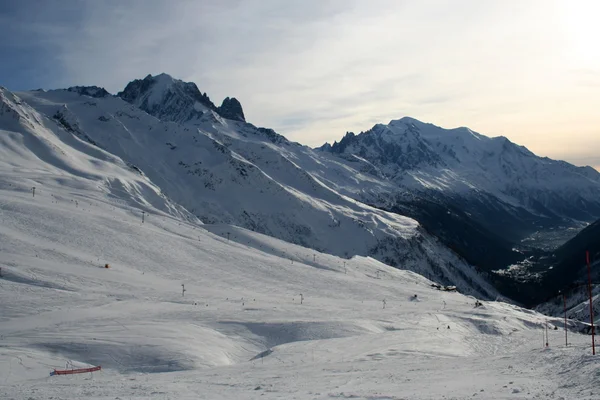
[(240, 331)]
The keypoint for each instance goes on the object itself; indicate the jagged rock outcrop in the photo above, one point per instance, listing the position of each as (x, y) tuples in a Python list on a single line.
[(232, 109), (92, 91)]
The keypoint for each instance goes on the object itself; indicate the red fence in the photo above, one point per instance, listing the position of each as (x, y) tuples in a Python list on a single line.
[(74, 371)]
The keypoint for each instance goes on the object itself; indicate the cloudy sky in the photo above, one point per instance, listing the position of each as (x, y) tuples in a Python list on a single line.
[(314, 69)]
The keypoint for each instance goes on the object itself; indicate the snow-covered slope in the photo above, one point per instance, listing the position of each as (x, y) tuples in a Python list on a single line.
[(259, 318), (194, 169), (38, 149)]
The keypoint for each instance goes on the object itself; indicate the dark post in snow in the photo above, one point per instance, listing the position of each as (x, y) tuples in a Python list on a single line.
[(546, 333), (228, 236), (182, 290), (143, 213), (587, 258), (33, 191), (565, 307), (301, 298), (314, 257), (384, 303), (543, 337)]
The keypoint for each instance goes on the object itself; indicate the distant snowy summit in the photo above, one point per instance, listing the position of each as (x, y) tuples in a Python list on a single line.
[(174, 100), (425, 157)]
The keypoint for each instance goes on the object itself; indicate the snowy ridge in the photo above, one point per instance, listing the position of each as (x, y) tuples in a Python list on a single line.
[(256, 182), (420, 156)]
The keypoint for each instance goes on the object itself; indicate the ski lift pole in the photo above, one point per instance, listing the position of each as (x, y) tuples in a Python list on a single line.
[(565, 307), (587, 258)]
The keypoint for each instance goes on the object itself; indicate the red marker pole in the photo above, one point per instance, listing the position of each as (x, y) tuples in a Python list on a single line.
[(565, 306), (587, 258)]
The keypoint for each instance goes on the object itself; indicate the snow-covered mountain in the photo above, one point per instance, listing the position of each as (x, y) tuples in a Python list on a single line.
[(507, 188), (202, 178), (479, 195)]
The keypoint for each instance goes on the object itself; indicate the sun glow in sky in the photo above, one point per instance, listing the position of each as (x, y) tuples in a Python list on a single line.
[(314, 69), (582, 32)]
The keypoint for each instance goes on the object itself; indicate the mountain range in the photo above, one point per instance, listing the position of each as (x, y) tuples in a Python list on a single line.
[(450, 204)]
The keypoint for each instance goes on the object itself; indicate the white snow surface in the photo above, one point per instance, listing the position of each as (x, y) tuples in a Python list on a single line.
[(260, 317)]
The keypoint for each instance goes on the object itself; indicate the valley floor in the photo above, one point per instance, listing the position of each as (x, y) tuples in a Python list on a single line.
[(259, 318)]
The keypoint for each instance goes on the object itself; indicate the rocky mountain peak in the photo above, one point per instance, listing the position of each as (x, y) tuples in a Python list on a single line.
[(167, 98), (232, 109), (341, 146), (174, 100)]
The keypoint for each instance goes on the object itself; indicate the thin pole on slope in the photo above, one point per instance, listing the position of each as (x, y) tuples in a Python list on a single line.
[(546, 333), (587, 258), (565, 307), (33, 190), (143, 213)]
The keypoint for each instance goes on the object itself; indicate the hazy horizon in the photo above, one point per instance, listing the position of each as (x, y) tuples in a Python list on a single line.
[(313, 70)]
